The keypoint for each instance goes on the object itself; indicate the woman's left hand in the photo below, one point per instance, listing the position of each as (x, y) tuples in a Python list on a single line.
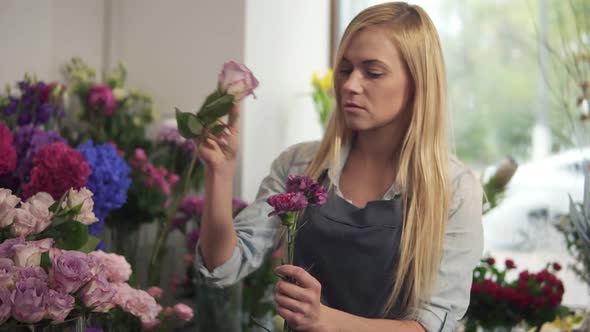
[(299, 303)]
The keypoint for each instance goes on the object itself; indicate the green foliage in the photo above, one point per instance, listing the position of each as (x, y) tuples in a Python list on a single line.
[(493, 72)]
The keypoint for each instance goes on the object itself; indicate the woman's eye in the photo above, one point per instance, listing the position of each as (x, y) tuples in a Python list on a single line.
[(345, 71), (372, 74)]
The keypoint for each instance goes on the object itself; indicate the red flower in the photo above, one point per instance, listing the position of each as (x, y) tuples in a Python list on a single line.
[(556, 266), (554, 300), (57, 168), (539, 302), (475, 288), (522, 285), (7, 150), (510, 264), (491, 261), (547, 290)]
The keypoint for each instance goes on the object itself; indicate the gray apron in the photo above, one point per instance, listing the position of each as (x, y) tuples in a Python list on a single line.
[(352, 252)]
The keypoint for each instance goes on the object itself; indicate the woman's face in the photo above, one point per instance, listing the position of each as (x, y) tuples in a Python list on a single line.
[(372, 80)]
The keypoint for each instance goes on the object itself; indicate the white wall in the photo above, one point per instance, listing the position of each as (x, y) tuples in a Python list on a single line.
[(286, 41), (174, 49), (37, 37)]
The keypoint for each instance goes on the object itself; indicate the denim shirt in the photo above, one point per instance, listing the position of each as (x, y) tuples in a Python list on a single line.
[(462, 248)]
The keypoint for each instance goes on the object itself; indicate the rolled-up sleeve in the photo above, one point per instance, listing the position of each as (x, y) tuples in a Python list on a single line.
[(257, 233), (462, 250)]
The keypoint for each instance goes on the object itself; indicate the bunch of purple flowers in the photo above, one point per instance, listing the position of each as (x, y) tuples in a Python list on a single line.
[(37, 103), (302, 191)]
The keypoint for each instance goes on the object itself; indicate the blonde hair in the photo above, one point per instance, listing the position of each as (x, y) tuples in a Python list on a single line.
[(423, 164)]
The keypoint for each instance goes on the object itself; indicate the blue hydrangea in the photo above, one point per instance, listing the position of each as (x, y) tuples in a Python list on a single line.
[(109, 180)]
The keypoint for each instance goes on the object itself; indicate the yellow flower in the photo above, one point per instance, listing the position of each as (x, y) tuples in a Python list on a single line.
[(315, 81), (326, 83), (323, 83)]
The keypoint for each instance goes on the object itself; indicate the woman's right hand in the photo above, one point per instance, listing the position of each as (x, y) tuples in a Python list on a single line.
[(219, 153)]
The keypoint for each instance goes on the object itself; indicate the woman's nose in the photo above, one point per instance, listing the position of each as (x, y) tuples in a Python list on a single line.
[(352, 83)]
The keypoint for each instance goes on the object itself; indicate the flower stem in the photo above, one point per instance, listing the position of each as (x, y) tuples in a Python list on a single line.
[(153, 273)]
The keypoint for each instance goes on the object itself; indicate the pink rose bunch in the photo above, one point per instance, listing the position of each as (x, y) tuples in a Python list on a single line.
[(101, 99), (33, 216), (57, 168), (7, 150), (29, 294), (26, 292)]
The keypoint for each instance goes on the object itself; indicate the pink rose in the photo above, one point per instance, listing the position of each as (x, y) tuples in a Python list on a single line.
[(98, 294), (38, 205), (183, 312), (29, 253), (82, 198), (35, 272), (139, 303), (6, 275), (23, 224), (155, 291), (115, 267), (150, 325), (29, 298), (69, 269), (33, 216), (5, 305), (101, 98), (237, 80), (7, 207), (7, 247), (59, 305)]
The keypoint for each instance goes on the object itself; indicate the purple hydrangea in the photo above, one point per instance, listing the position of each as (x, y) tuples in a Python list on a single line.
[(109, 180)]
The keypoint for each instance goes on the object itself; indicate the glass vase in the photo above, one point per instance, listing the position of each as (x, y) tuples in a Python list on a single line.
[(217, 309)]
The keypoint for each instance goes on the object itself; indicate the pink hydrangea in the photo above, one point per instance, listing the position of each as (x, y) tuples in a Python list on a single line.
[(57, 168)]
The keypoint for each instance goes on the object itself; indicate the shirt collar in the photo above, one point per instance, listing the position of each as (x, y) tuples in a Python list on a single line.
[(335, 172)]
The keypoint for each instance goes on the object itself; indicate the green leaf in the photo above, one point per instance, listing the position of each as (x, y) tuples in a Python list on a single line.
[(216, 109), (218, 129), (54, 207), (90, 245), (58, 220), (212, 97), (45, 261), (189, 125), (74, 235)]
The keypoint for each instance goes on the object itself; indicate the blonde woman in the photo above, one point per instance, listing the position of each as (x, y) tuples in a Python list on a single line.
[(394, 247)]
